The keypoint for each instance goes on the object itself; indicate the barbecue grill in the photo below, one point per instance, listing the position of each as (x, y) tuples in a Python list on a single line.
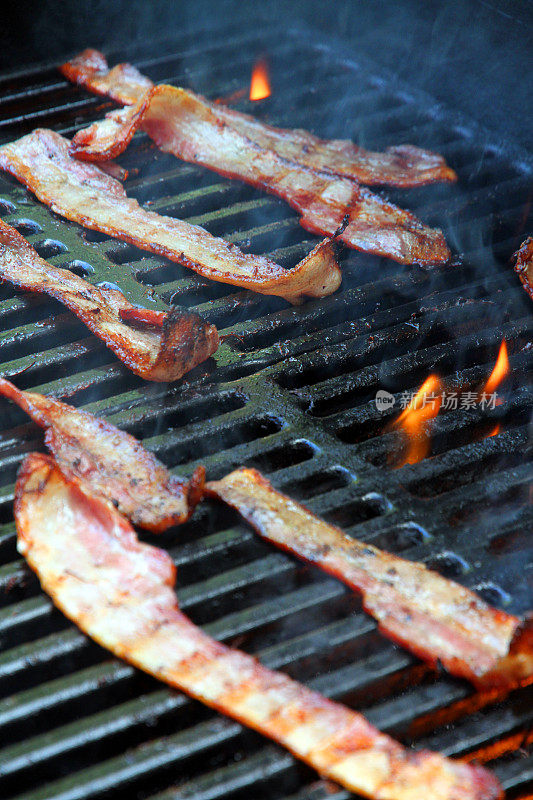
[(291, 391)]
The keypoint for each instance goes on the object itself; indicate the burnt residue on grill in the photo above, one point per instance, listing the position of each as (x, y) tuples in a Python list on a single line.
[(291, 392)]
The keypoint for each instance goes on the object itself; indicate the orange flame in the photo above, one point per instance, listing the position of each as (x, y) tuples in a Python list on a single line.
[(260, 83), (413, 421), (501, 369), (495, 431)]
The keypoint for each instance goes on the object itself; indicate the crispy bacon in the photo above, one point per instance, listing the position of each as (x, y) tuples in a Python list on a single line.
[(437, 619), (524, 265), (83, 193), (154, 345), (120, 592), (403, 166), (185, 125), (111, 462)]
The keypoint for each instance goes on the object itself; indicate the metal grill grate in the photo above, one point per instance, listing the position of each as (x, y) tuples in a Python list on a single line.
[(292, 394)]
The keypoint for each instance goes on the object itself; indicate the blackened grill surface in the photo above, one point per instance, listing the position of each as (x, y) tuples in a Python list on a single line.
[(292, 393)]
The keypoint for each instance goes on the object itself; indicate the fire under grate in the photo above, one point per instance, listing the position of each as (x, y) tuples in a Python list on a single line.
[(291, 393)]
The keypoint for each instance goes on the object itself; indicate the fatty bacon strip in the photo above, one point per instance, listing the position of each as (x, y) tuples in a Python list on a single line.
[(190, 128), (154, 345), (435, 618), (181, 123), (524, 265), (85, 194), (111, 462), (403, 166), (120, 592)]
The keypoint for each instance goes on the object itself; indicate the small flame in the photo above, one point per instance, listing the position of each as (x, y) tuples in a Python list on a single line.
[(413, 421), (488, 391), (500, 371), (260, 83)]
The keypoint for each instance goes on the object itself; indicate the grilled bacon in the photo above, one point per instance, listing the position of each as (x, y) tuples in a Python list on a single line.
[(435, 618), (85, 194), (120, 592), (402, 166), (524, 265), (111, 462), (154, 345), (124, 83), (185, 125)]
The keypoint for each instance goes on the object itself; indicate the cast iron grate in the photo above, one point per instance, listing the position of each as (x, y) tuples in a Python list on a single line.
[(291, 394)]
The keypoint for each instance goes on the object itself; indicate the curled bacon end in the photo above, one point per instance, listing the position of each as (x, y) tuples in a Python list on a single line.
[(120, 592), (124, 83), (107, 138), (157, 352), (316, 275), (524, 265), (111, 462), (435, 618), (186, 340)]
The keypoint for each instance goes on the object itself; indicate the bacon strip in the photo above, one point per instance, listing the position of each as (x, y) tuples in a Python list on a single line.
[(119, 591), (435, 618), (83, 193), (524, 265), (402, 166), (185, 125), (154, 345), (124, 83), (111, 462)]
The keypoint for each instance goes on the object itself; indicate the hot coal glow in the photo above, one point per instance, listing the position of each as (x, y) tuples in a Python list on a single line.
[(260, 83), (414, 421)]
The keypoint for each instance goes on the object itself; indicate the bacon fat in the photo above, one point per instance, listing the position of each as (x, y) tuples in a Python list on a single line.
[(83, 193), (185, 125), (402, 166), (120, 592), (154, 345), (111, 462), (524, 265), (435, 618)]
